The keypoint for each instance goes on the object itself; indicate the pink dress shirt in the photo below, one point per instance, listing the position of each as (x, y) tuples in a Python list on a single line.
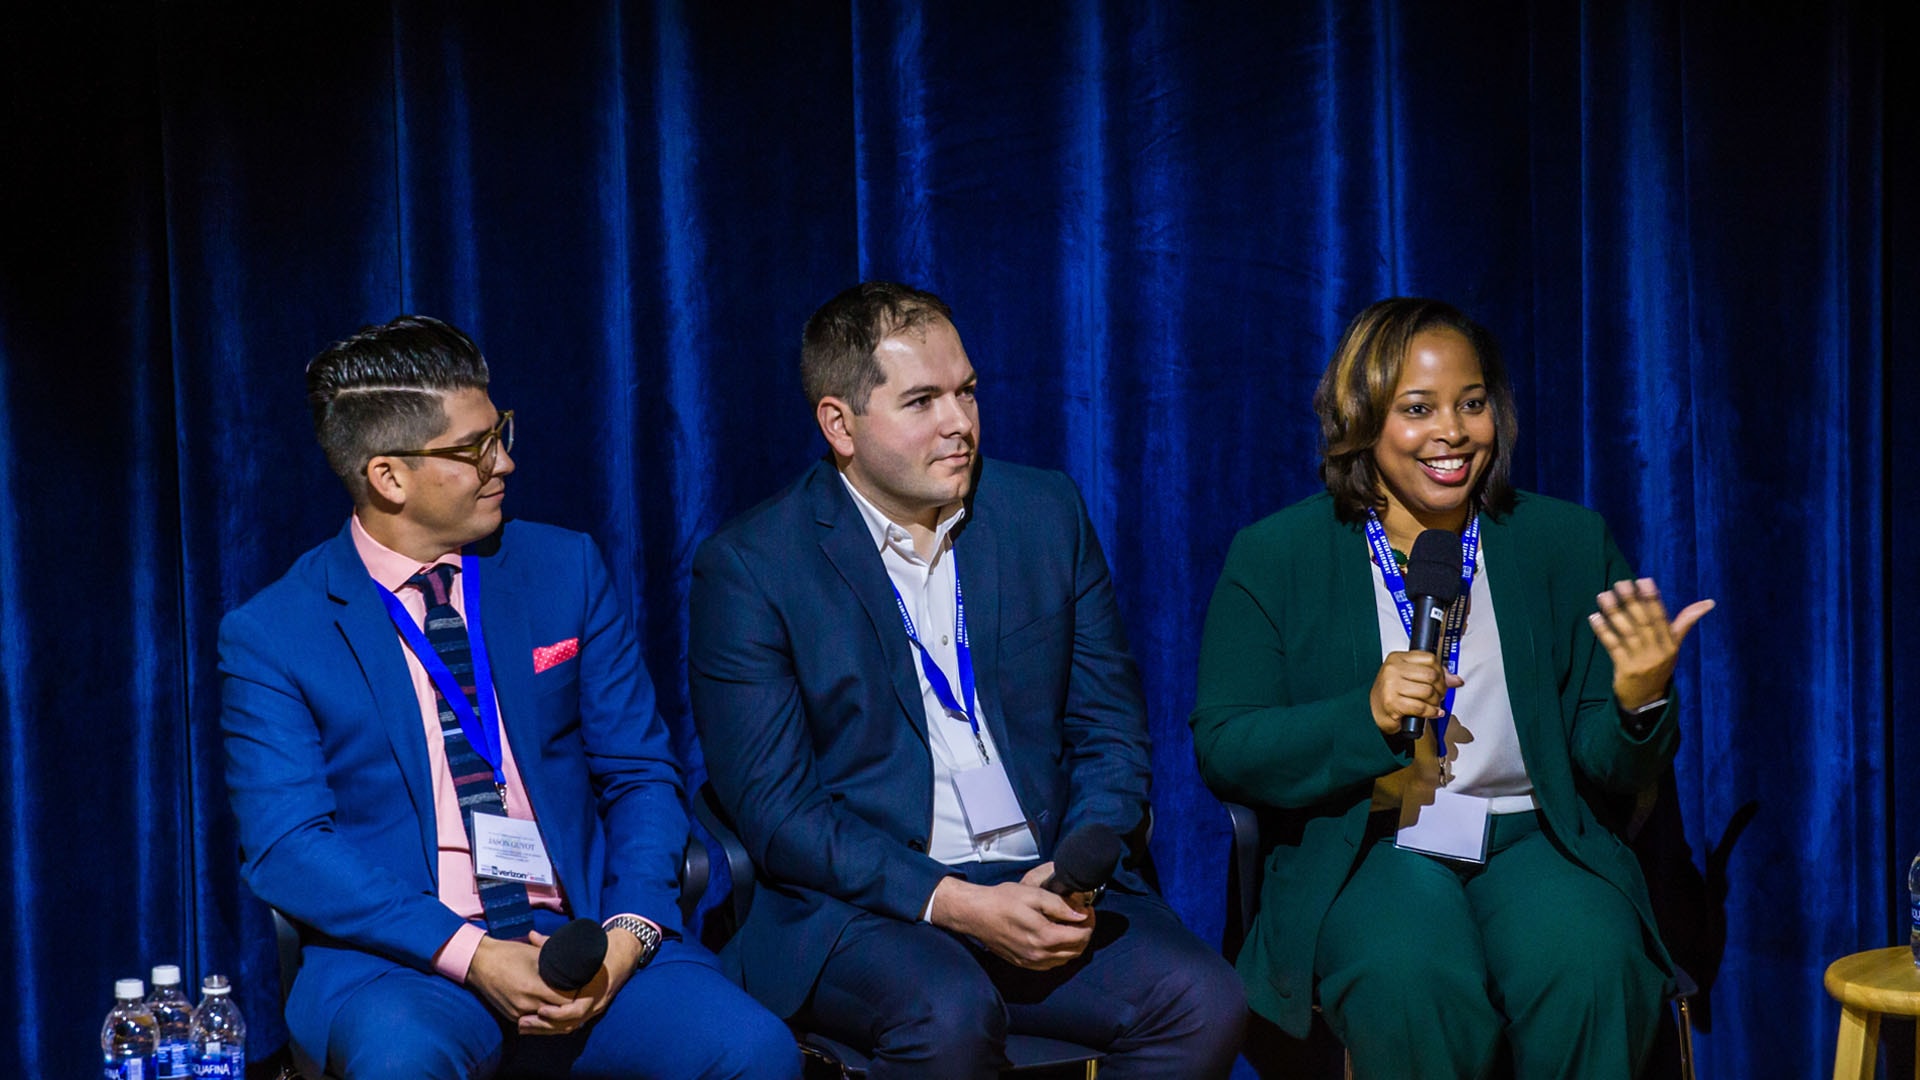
[(457, 887)]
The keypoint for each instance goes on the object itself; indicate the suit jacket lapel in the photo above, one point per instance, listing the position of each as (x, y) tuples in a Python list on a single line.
[(508, 591), (847, 544), (510, 654), (1353, 601), (979, 570), (369, 632), (1520, 597)]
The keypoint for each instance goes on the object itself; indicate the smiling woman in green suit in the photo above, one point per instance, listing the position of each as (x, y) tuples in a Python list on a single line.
[(1440, 894)]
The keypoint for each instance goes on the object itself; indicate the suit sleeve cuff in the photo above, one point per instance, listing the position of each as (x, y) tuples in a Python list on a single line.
[(1639, 722), (926, 912), (456, 956)]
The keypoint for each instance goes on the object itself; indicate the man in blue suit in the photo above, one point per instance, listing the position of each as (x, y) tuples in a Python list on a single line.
[(911, 682), (441, 744)]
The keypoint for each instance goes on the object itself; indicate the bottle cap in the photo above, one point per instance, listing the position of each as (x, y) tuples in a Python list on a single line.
[(129, 989), (216, 985), (166, 975)]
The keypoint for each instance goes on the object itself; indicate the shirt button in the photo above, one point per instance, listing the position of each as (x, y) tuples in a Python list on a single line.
[(943, 639)]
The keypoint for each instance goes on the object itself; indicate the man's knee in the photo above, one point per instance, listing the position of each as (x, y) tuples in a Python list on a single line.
[(419, 1060), (684, 1019), (755, 1045), (1213, 995), (745, 1044), (912, 993), (407, 1024), (965, 1020), (404, 1049), (1206, 1012)]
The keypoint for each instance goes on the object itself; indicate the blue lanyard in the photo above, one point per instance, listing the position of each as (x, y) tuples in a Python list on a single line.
[(1396, 583), (485, 738), (942, 689)]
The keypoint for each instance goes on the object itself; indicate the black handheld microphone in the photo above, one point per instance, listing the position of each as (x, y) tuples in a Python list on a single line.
[(1084, 860), (572, 956), (1433, 584)]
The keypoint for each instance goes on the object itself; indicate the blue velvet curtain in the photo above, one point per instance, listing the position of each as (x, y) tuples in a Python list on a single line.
[(1690, 224)]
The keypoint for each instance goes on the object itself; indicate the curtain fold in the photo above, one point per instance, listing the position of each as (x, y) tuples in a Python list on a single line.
[(1687, 224)]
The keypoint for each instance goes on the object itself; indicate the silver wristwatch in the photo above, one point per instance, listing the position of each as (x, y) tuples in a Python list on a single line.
[(640, 928)]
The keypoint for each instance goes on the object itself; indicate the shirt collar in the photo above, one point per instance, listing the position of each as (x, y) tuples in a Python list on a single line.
[(388, 567), (888, 533)]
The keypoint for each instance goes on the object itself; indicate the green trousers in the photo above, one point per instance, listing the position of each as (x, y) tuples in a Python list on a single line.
[(1423, 965)]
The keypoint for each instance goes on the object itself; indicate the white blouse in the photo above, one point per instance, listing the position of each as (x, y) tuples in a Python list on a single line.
[(1483, 747)]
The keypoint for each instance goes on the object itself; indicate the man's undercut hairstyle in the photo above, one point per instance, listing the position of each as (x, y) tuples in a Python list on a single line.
[(380, 390), (1355, 397), (836, 349)]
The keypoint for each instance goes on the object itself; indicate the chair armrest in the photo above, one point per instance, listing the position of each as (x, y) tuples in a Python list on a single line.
[(707, 810), (286, 941), (1684, 988), (696, 876), (1243, 878)]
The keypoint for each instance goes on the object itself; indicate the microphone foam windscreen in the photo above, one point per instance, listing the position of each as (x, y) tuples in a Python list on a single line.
[(1085, 858), (571, 957), (1433, 567)]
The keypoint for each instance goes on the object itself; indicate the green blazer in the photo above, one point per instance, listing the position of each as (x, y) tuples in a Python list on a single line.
[(1282, 721)]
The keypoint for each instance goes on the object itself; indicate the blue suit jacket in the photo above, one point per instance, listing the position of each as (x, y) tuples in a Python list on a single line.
[(807, 697), (326, 760)]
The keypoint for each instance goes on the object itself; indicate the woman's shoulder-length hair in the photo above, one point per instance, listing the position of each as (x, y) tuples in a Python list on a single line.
[(1356, 393)]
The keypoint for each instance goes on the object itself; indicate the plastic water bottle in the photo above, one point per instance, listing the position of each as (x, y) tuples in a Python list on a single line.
[(126, 1039), (1913, 908), (173, 1020), (219, 1034)]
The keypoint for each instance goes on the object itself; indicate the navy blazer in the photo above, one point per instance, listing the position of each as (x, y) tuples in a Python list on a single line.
[(807, 697), (326, 758)]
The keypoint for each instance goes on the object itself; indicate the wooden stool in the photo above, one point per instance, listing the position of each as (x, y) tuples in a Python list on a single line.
[(1868, 985)]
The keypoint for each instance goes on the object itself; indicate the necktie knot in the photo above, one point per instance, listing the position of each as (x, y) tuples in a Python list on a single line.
[(436, 583)]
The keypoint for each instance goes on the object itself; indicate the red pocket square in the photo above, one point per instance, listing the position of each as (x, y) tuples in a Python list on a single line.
[(546, 656)]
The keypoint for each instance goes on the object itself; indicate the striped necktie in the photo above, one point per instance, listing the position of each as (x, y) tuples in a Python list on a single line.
[(505, 902)]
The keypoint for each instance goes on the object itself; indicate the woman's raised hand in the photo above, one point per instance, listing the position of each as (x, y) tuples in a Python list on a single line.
[(1632, 625)]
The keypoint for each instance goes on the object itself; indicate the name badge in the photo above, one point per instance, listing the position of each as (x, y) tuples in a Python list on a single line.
[(509, 849), (987, 799), (1452, 826)]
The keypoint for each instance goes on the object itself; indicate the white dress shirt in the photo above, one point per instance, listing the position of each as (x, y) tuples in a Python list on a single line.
[(926, 587)]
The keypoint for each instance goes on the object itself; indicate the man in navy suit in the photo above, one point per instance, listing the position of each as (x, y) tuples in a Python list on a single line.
[(911, 682), (441, 744)]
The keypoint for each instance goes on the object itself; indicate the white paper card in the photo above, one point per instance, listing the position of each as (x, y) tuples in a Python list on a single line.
[(509, 849), (987, 799), (1452, 826)]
